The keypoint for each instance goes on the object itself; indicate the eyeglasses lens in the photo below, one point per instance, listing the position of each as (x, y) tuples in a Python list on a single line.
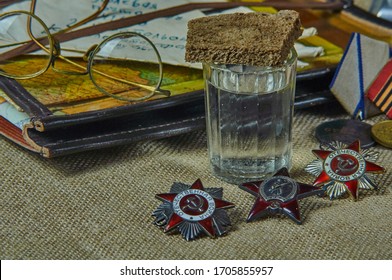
[(119, 67), (21, 30)]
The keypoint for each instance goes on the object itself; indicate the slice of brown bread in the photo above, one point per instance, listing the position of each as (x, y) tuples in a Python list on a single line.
[(259, 39)]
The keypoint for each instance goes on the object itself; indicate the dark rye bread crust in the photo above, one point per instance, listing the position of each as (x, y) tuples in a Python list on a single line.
[(259, 39)]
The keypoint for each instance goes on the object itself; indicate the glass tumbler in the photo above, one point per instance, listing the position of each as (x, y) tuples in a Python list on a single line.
[(249, 114)]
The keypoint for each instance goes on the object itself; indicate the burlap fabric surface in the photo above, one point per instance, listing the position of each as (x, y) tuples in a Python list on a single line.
[(97, 205)]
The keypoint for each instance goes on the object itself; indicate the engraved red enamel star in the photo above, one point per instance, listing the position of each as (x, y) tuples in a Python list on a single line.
[(278, 195), (347, 167), (194, 205)]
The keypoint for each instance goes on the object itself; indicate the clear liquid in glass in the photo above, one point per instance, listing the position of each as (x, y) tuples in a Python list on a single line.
[(249, 123)]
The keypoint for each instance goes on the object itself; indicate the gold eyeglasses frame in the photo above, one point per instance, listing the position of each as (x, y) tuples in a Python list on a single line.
[(54, 51)]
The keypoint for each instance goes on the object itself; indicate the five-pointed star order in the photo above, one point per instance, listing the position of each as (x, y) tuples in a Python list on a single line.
[(352, 180), (288, 206), (206, 224)]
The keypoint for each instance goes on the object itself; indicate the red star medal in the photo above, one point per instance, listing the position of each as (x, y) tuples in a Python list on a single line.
[(278, 195), (193, 210), (344, 169)]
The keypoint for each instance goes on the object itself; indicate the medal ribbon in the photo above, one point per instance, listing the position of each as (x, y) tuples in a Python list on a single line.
[(360, 109), (380, 91)]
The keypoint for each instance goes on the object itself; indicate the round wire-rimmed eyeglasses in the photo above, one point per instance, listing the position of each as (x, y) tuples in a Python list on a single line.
[(112, 65)]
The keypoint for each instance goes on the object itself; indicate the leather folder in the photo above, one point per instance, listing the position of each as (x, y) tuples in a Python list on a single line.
[(55, 135)]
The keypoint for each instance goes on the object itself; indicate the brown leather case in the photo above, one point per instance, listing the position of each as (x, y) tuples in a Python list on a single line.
[(53, 136)]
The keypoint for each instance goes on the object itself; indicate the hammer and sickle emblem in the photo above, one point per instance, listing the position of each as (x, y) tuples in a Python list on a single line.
[(194, 203), (277, 189), (346, 165)]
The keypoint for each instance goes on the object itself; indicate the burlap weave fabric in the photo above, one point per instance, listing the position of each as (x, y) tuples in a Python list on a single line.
[(97, 205)]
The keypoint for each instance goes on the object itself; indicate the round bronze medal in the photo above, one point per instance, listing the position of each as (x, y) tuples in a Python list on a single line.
[(382, 133)]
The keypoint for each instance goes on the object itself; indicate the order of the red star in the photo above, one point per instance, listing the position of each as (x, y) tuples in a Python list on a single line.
[(278, 195)]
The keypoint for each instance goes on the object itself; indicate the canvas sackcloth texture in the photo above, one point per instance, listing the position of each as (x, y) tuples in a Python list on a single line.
[(98, 205)]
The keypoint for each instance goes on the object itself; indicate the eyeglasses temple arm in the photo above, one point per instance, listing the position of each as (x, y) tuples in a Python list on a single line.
[(150, 88), (85, 71), (79, 23)]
